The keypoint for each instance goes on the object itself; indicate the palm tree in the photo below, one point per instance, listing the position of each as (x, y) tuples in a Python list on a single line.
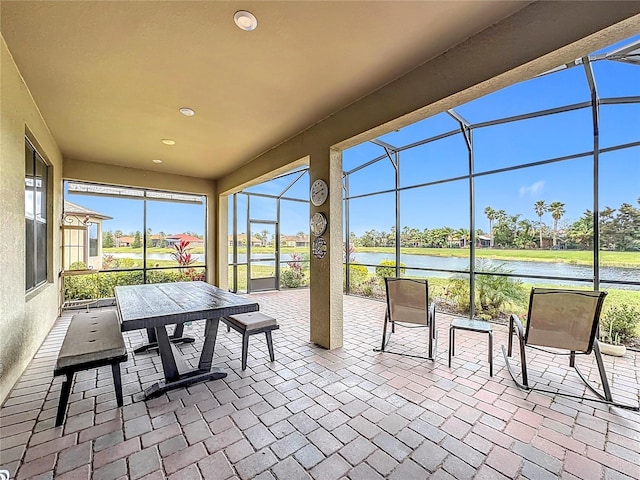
[(491, 215), (540, 207), (557, 211)]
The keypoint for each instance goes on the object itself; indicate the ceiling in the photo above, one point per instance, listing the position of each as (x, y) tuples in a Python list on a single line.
[(109, 77)]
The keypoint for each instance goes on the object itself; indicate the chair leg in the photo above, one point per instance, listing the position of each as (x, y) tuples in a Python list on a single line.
[(267, 334), (117, 382), (245, 347), (64, 398), (384, 332), (603, 374)]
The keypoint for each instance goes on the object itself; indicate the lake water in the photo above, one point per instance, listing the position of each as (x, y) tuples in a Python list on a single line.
[(454, 263)]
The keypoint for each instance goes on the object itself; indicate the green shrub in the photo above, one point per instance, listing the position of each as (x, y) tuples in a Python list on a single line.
[(357, 275), (387, 268), (292, 278), (494, 294), (619, 324)]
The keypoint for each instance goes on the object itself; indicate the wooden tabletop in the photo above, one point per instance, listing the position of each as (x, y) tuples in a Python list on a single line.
[(153, 305)]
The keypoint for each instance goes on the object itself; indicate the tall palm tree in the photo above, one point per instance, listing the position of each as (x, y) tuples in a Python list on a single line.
[(557, 211), (540, 207), (491, 215)]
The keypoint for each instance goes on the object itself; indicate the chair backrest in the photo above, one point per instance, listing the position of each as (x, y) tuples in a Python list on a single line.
[(566, 319), (407, 300)]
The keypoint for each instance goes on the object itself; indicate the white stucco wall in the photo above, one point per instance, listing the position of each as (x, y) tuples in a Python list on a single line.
[(25, 320)]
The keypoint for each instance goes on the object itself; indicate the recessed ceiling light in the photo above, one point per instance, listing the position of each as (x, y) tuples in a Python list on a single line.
[(168, 141), (156, 160), (245, 20), (187, 112)]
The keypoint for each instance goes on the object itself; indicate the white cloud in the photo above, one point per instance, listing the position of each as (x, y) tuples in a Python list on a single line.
[(532, 189)]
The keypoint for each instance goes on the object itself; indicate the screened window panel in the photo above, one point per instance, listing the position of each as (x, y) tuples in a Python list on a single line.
[(359, 155), (565, 87), (373, 178), (533, 140), (619, 124), (616, 79), (434, 161), (429, 127)]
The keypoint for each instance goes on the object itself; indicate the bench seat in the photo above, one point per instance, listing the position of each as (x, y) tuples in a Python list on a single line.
[(249, 324), (92, 340)]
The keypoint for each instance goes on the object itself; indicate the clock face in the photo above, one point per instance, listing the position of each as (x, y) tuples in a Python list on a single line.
[(319, 192), (318, 224)]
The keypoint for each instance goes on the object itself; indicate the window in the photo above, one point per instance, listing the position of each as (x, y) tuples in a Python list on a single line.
[(35, 203), (93, 240)]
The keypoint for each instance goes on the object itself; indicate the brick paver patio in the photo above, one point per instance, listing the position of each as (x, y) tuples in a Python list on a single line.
[(348, 413)]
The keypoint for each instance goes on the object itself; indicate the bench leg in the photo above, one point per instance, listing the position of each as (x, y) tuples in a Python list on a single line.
[(452, 343), (491, 354), (245, 348), (64, 398), (270, 344), (117, 382)]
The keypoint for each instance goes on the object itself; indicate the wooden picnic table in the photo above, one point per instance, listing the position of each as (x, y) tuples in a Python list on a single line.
[(154, 306)]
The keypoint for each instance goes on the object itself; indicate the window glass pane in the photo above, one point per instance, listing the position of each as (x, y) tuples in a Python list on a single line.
[(29, 208), (93, 240), (532, 140), (438, 160), (619, 124)]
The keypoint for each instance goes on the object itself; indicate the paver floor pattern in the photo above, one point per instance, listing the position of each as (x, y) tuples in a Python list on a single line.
[(313, 413)]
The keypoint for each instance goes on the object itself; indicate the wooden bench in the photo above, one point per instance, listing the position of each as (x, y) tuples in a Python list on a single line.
[(92, 340), (250, 324)]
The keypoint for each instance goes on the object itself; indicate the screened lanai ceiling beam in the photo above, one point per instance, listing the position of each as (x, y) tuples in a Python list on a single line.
[(465, 126), (385, 145)]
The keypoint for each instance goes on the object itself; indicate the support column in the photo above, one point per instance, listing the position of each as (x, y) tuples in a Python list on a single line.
[(218, 257), (326, 273)]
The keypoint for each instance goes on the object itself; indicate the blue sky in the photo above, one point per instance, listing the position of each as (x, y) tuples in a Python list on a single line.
[(495, 147)]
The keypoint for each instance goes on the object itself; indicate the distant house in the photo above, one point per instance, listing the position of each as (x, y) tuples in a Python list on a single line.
[(124, 241), (82, 236), (294, 240), (171, 240), (483, 241)]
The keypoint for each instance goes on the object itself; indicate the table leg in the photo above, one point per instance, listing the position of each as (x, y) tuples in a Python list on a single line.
[(176, 373), (152, 343), (206, 356), (169, 366)]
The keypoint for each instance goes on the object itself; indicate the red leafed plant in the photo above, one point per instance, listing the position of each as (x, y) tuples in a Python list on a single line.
[(182, 255)]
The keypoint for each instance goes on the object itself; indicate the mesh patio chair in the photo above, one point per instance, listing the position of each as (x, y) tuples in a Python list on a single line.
[(408, 306), (566, 320)]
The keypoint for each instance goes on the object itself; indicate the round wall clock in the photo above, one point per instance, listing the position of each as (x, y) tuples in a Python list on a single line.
[(318, 224), (319, 192)]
